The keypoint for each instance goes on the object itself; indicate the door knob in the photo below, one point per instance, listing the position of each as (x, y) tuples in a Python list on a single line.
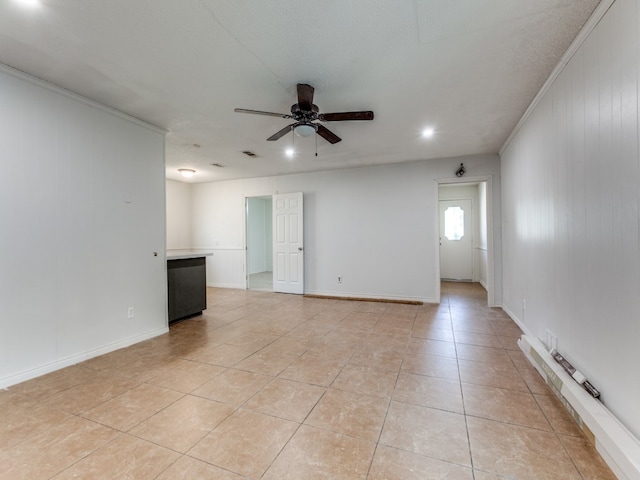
[(300, 249)]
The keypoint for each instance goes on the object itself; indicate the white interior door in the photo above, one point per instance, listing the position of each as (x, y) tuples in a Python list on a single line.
[(288, 248), (456, 239)]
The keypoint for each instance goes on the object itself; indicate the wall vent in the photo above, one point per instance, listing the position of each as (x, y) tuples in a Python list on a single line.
[(249, 153)]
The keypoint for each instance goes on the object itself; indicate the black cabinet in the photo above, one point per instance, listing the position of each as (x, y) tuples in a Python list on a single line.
[(187, 286)]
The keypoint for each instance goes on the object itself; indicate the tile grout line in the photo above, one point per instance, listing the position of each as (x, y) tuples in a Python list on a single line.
[(464, 407)]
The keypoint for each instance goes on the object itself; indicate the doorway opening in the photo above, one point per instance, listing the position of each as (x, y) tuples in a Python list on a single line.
[(465, 232), (274, 249), (259, 228)]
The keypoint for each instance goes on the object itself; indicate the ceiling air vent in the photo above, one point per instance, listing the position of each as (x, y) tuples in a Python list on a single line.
[(249, 153), (217, 165)]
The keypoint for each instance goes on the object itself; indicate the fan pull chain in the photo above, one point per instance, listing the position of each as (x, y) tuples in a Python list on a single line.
[(316, 144)]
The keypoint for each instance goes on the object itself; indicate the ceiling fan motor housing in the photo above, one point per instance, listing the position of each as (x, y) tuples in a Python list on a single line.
[(304, 115)]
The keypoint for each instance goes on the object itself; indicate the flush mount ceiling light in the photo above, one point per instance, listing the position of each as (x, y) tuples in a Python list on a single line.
[(305, 130), (186, 172)]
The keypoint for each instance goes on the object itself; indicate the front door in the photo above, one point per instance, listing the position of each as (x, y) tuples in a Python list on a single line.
[(288, 249), (456, 240)]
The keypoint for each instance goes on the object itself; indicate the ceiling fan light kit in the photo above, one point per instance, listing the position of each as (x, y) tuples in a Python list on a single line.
[(305, 130), (305, 113)]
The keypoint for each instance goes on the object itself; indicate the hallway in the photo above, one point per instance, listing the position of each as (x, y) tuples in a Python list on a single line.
[(272, 386)]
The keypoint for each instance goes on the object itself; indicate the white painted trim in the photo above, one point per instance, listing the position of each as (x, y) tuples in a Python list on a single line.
[(436, 273), (469, 180), (491, 258), (236, 286), (618, 446), (4, 68), (329, 293), (516, 320), (74, 359), (586, 30), (245, 242)]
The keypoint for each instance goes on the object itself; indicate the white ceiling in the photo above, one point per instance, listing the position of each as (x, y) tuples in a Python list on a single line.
[(468, 68)]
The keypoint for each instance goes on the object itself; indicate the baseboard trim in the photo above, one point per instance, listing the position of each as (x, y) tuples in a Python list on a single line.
[(619, 448), (516, 320), (236, 286), (347, 296), (365, 299), (80, 357)]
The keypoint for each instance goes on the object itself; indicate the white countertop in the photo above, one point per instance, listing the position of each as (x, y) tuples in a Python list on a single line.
[(190, 253)]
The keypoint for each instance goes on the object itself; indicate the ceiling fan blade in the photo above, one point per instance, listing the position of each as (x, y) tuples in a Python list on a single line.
[(327, 134), (305, 96), (278, 135), (258, 112), (338, 117)]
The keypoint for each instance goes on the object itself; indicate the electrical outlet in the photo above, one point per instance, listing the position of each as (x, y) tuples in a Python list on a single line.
[(339, 278), (130, 312), (552, 341)]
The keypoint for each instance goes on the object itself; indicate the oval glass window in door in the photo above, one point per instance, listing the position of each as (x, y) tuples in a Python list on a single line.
[(454, 223)]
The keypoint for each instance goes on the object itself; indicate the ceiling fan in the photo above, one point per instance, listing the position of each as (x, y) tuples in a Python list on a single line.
[(305, 113)]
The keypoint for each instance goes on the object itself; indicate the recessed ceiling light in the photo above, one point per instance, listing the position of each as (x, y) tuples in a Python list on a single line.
[(428, 132), (289, 152), (186, 172), (28, 3)]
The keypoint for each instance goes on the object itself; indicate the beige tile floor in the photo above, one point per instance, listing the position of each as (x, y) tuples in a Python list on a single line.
[(272, 386), (261, 281)]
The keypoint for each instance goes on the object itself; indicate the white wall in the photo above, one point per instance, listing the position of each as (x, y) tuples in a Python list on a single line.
[(82, 209), (178, 215), (571, 213), (377, 227)]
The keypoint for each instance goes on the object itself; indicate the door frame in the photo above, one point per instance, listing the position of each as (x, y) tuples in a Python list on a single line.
[(487, 179), (245, 246)]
